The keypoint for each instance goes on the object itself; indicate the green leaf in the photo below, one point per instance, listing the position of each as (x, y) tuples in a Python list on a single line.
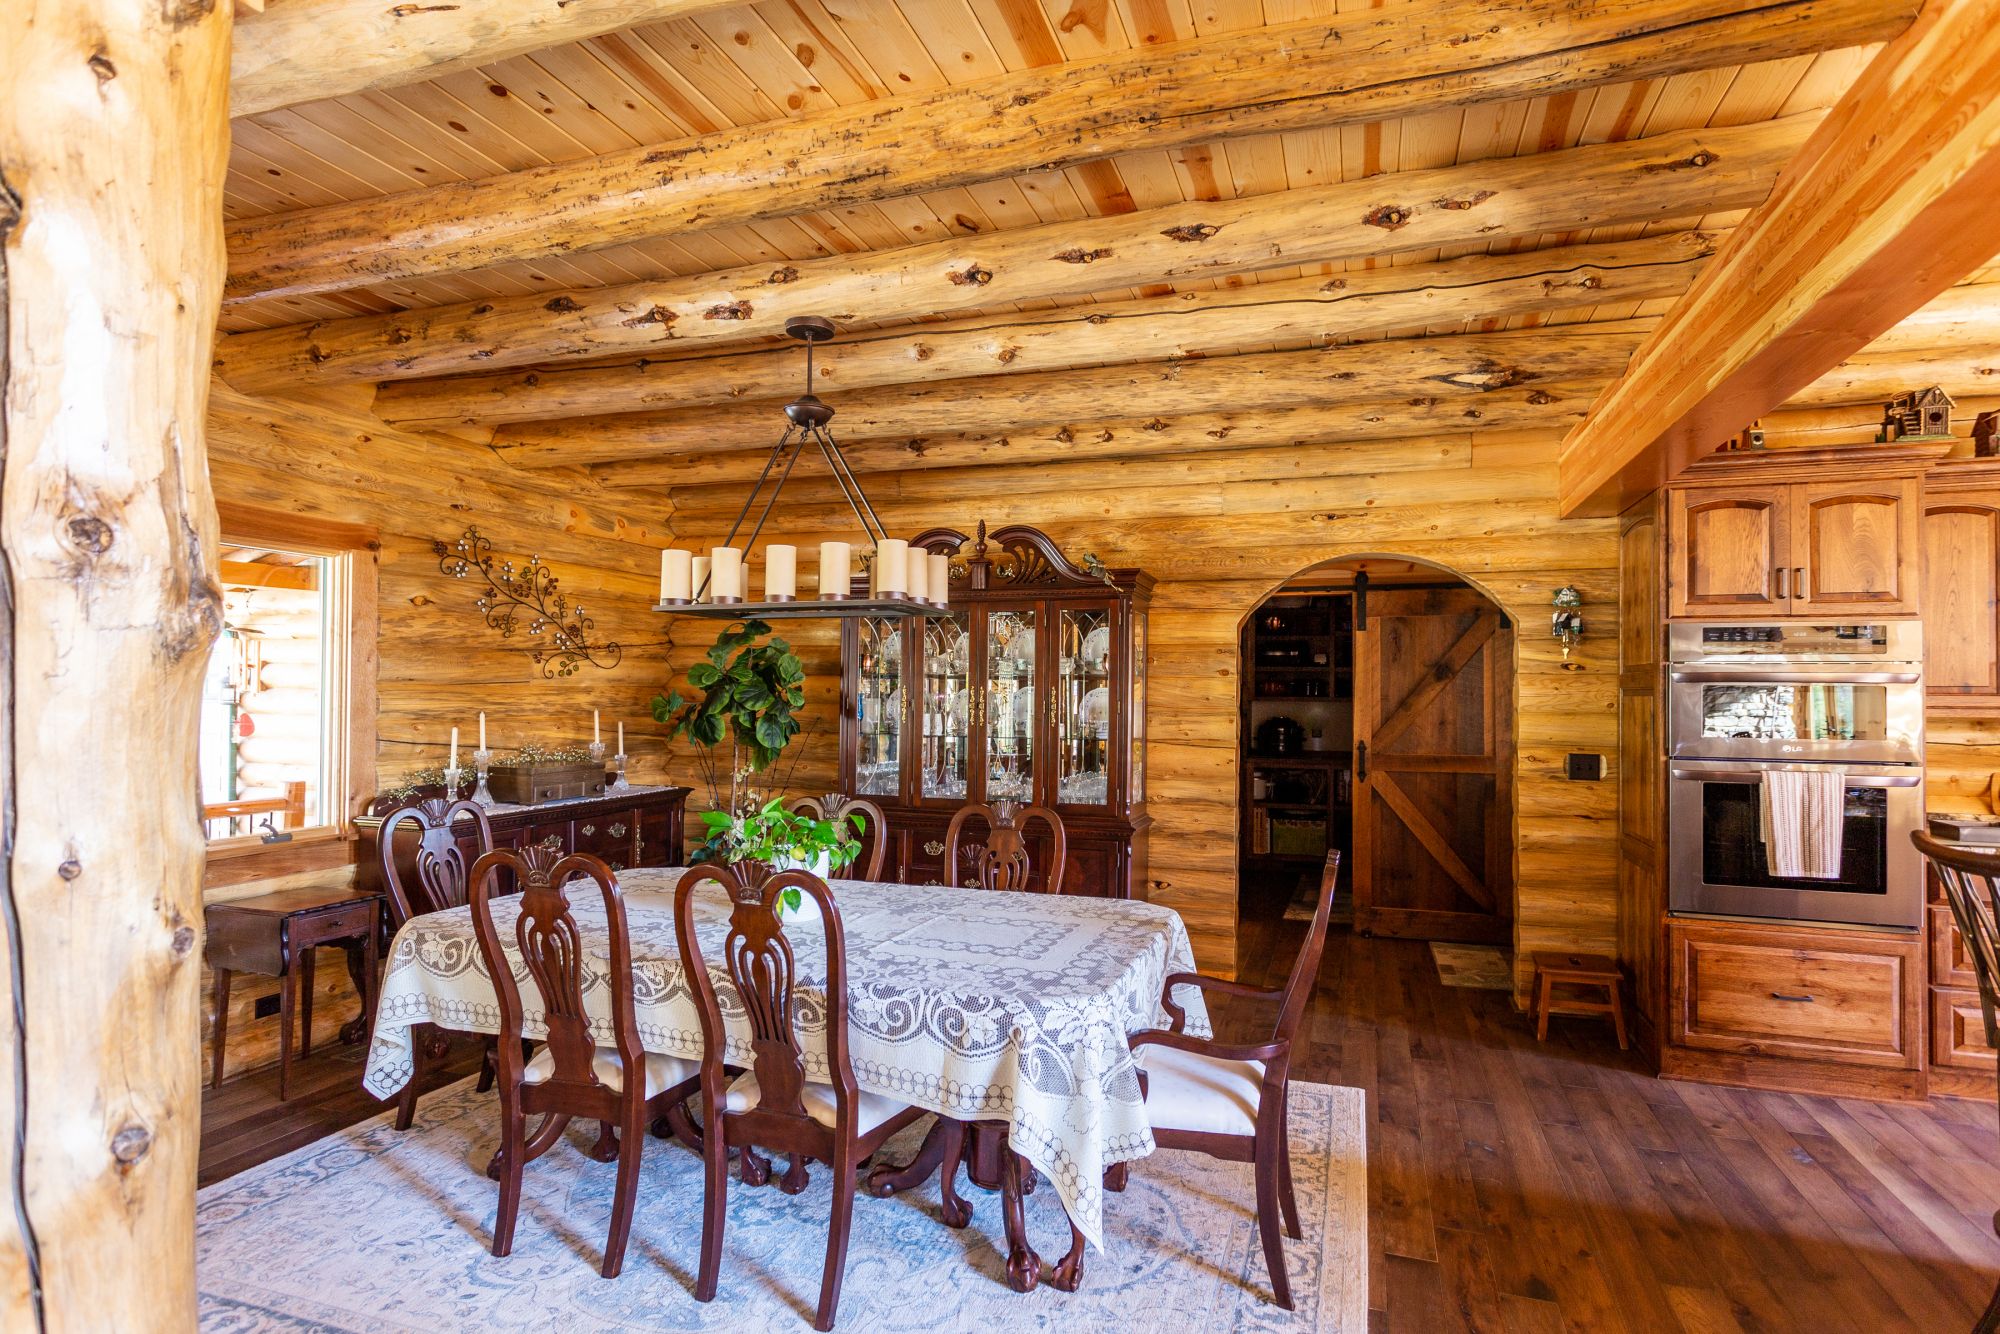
[(772, 734), (702, 675)]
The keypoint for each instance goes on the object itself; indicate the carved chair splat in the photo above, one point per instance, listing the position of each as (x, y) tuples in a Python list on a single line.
[(621, 1086), (774, 1105), (875, 826), (1002, 861)]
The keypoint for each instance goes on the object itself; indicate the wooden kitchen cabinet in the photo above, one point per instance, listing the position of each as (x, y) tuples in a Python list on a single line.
[(1960, 537), (1796, 533)]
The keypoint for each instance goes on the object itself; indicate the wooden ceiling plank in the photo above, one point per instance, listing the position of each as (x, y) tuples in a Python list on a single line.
[(956, 40), (1196, 91), (1411, 209), (1299, 311), (304, 50), (1888, 205)]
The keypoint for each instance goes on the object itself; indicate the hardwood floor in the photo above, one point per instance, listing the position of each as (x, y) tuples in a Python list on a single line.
[(1523, 1187)]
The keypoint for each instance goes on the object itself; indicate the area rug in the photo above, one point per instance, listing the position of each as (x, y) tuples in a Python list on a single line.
[(1480, 967), (373, 1230)]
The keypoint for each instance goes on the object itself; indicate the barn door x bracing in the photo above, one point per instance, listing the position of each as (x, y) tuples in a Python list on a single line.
[(1433, 766)]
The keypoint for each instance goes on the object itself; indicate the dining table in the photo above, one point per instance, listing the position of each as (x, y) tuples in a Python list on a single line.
[(1009, 1011)]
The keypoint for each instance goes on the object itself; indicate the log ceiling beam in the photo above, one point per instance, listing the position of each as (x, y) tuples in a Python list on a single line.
[(1687, 173), (1888, 205), (1408, 57), (1462, 368), (305, 50), (1284, 313), (1551, 407)]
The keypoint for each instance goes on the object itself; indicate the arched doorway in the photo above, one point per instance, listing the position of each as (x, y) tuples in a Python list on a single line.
[(1378, 717)]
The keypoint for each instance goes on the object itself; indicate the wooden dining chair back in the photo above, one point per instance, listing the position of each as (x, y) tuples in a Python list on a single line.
[(1002, 862), (440, 873), (1971, 883), (776, 1104), (1228, 1099), (616, 1084), (874, 831)]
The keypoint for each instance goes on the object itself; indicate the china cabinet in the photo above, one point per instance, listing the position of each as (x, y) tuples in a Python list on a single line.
[(1030, 686)]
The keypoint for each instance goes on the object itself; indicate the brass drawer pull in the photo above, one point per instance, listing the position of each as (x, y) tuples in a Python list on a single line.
[(617, 830), (1802, 1000), (590, 829), (934, 848), (554, 843)]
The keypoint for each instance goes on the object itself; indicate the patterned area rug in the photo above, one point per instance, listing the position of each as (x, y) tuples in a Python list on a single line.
[(1481, 967), (371, 1230)]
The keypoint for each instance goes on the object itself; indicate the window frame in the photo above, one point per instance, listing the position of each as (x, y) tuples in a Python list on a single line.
[(353, 552)]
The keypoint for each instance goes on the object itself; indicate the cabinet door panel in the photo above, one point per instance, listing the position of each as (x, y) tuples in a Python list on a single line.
[(1961, 598), (1727, 546), (1855, 546)]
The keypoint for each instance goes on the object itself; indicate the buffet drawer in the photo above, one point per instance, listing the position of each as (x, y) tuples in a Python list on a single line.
[(1958, 1030), (1843, 996)]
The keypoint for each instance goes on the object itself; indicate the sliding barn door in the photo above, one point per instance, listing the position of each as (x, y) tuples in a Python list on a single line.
[(1433, 766)]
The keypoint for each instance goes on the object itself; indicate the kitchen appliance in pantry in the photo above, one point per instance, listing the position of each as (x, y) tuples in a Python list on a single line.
[(1746, 700)]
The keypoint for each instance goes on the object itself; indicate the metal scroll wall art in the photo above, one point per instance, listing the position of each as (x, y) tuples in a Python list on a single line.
[(528, 600)]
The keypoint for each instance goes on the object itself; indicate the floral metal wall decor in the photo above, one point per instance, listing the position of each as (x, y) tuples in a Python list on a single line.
[(528, 600)]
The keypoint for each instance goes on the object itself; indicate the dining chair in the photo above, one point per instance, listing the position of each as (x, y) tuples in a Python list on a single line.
[(572, 1075), (773, 1104), (1002, 861), (874, 825), (1971, 882), (438, 879), (1227, 1100)]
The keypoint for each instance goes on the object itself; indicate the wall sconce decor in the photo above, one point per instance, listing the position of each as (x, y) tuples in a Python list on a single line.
[(528, 599), (1566, 625)]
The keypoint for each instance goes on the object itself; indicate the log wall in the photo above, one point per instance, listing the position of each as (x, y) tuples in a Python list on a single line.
[(1482, 506)]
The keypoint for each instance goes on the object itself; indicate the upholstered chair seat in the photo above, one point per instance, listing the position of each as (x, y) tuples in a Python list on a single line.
[(662, 1072), (870, 1111), (1205, 1094)]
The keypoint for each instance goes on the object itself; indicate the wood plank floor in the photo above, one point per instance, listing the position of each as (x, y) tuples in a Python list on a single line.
[(1523, 1187)]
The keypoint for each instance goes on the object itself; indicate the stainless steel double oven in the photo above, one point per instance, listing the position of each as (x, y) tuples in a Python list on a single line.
[(1744, 700)]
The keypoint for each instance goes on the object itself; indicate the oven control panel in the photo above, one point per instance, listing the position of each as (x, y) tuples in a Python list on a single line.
[(1866, 641)]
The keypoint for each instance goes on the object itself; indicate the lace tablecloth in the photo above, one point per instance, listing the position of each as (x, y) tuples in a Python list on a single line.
[(977, 1004)]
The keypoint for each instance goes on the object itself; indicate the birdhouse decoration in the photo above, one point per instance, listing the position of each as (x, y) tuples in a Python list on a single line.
[(1986, 435), (1922, 414), (1751, 438), (1566, 624)]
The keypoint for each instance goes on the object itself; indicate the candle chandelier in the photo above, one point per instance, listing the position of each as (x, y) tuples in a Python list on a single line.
[(895, 579)]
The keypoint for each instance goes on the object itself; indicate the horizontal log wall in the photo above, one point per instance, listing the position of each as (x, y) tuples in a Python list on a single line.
[(438, 664), (1219, 545)]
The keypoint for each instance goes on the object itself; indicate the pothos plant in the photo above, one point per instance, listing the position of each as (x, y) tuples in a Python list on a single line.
[(777, 837), (744, 692)]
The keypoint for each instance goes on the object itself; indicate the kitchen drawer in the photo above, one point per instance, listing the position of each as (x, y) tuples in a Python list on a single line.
[(1843, 996), (1951, 966), (1958, 1031)]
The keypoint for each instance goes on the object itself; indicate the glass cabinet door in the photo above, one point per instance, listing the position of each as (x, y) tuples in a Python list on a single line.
[(945, 760), (878, 762), (1084, 733), (1009, 700)]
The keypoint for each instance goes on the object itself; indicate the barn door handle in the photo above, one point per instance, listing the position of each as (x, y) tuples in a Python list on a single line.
[(1361, 761), (1801, 1000)]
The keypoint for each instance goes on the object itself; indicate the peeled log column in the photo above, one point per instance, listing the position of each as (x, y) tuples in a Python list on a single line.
[(1466, 367), (114, 139), (1288, 312), (1670, 175), (1332, 428), (1370, 65)]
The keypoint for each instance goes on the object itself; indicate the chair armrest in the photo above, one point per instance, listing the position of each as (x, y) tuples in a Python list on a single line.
[(1222, 1051), (1206, 983)]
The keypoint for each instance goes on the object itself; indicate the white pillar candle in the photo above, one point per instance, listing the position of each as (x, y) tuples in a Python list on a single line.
[(940, 578), (704, 587), (454, 749), (917, 573), (836, 569), (596, 733), (891, 557), (482, 730), (725, 570), (781, 571), (621, 736), (676, 575)]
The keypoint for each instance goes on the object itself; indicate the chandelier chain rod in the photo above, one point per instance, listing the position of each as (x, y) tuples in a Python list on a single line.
[(850, 486), (783, 477)]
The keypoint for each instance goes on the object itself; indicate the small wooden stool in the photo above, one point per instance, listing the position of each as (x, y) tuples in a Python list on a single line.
[(1583, 970)]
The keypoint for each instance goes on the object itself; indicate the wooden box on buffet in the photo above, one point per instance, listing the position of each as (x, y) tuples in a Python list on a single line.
[(1030, 686)]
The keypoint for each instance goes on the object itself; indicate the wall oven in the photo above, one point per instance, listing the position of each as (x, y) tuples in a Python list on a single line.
[(1746, 700)]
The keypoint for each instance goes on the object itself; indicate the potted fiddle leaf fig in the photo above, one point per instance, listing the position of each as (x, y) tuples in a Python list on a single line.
[(745, 691)]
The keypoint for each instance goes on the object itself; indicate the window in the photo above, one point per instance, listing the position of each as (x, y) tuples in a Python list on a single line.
[(281, 749)]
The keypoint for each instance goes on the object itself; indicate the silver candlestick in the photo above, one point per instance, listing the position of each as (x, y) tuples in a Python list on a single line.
[(482, 761)]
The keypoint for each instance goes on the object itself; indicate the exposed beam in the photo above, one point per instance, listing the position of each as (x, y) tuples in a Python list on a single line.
[(1550, 407), (1681, 174), (1465, 368), (303, 50), (1410, 56), (1289, 312), (1888, 205)]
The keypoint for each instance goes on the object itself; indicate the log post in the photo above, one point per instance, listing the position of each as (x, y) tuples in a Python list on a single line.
[(113, 145)]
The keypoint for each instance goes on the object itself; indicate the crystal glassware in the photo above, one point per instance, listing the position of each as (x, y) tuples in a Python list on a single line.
[(482, 764), (619, 784)]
